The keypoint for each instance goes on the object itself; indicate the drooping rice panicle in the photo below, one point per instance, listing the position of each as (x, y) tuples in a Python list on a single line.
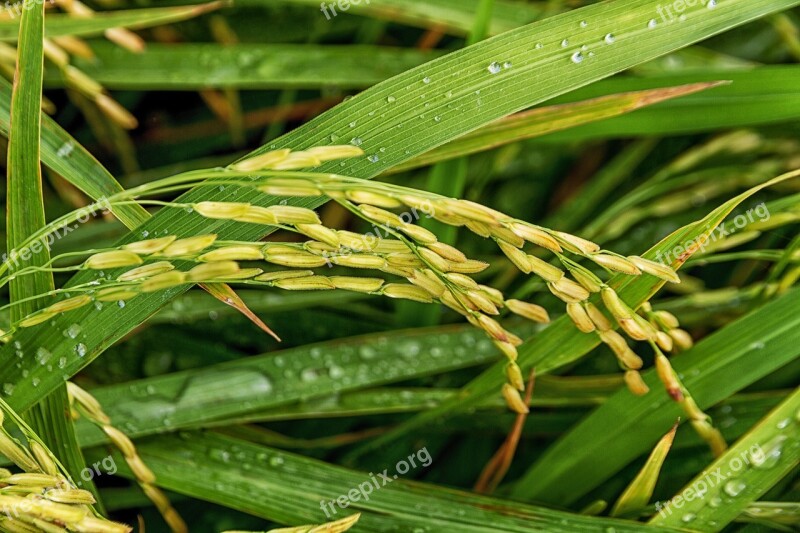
[(93, 411)]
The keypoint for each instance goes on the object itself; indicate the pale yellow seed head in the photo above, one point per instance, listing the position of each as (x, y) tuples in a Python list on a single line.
[(311, 283), (320, 233), (163, 281), (296, 260), (356, 284), (668, 378), (150, 246), (448, 252), (492, 328), (221, 210), (580, 317), (479, 228), (462, 280), (188, 246), (514, 400), (33, 480), (17, 454), (482, 302), (372, 198), (297, 160), (545, 270), (91, 524), (290, 187), (532, 312), (407, 292), (494, 295), (656, 269), (517, 256), (419, 234), (146, 271), (44, 458), (473, 211), (356, 241), (404, 260), (614, 304), (120, 440), (115, 294), (568, 290), (213, 270), (632, 329), (597, 316), (588, 281), (380, 216), (502, 234), (35, 319), (682, 340), (71, 496), (287, 214), (244, 273), (338, 151), (258, 215), (625, 355), (576, 244), (140, 470), (113, 110), (428, 281), (388, 246), (668, 319), (359, 261), (69, 304), (535, 235), (112, 259), (664, 341), (514, 375), (233, 253), (635, 383), (507, 349), (284, 274), (262, 161), (126, 39), (470, 266), (615, 263), (433, 259)]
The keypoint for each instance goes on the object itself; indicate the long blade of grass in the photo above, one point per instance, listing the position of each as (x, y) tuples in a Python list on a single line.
[(245, 66), (25, 207), (290, 489)]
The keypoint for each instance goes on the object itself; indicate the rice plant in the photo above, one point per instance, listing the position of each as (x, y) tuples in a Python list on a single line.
[(389, 265)]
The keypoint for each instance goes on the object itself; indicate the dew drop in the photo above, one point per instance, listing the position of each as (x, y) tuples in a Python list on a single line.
[(652, 24), (564, 43), (539, 46), (426, 80), (80, 349), (356, 141), (494, 67), (584, 24), (734, 488), (391, 99), (8, 389), (437, 118), (711, 4), (374, 158), (43, 356), (507, 64), (609, 38), (333, 137), (35, 382), (688, 517), (577, 57)]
